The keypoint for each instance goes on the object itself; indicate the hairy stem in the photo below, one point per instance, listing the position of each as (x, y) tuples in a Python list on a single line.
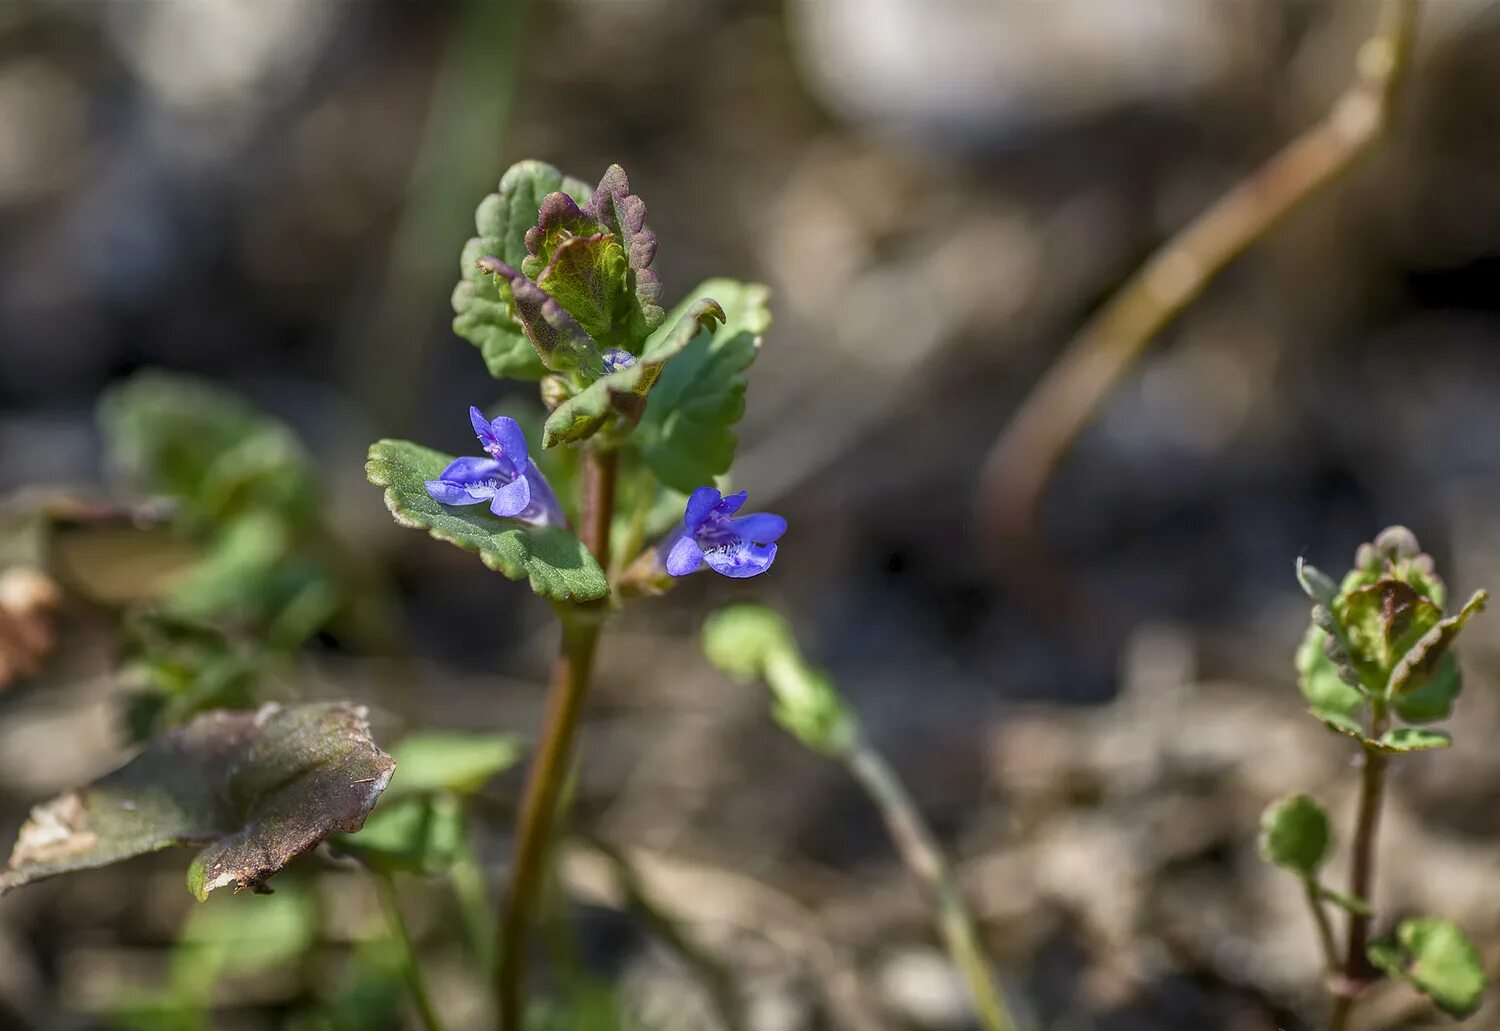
[(1325, 926), (411, 969), (922, 855), (549, 770), (1057, 409), (1353, 974)]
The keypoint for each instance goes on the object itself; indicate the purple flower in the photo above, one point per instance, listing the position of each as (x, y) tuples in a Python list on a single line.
[(712, 534), (617, 358), (508, 479)]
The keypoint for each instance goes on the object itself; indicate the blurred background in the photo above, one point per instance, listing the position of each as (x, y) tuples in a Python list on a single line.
[(939, 192)]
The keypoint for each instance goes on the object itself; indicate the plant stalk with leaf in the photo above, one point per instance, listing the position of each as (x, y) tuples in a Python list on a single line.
[(1376, 665), (750, 642), (557, 288)]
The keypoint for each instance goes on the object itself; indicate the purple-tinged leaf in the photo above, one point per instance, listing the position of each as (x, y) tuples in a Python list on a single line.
[(255, 789), (622, 395), (482, 315), (560, 342)]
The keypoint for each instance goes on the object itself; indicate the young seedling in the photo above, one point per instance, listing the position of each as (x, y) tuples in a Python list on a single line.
[(1376, 665)]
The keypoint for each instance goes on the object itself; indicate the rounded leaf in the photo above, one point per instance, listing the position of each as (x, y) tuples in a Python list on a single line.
[(1295, 835)]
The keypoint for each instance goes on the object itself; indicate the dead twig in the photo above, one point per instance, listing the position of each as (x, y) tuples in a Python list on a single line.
[(1029, 450)]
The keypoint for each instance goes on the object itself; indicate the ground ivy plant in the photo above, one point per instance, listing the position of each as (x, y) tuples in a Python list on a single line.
[(1377, 666), (619, 493)]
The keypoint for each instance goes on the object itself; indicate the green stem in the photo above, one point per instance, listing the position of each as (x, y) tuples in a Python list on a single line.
[(411, 970), (473, 896), (921, 853), (1325, 926), (1354, 972), (549, 770)]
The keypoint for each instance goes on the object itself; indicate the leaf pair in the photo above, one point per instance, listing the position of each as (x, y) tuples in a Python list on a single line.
[(557, 274)]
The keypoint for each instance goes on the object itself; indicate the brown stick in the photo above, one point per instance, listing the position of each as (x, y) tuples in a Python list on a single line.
[(1031, 447)]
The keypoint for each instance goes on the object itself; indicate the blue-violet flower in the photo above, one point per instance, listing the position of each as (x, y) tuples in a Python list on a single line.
[(617, 358), (711, 534), (508, 479)]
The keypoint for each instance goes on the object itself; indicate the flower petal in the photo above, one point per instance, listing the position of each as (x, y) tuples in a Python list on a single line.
[(685, 557), (510, 442), (481, 426), (760, 527), (700, 506), (450, 492), (740, 562), (732, 503), (467, 470), (512, 499), (544, 510)]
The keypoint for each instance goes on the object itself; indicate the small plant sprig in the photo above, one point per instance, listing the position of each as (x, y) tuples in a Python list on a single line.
[(624, 494), (1376, 664), (751, 643)]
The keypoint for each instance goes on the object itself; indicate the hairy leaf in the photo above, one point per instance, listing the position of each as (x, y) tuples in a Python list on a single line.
[(686, 433), (256, 789), (1319, 679), (1295, 835), (555, 562), (1434, 700), (562, 344), (482, 314), (1436, 959), (624, 214), (623, 395), (1426, 650)]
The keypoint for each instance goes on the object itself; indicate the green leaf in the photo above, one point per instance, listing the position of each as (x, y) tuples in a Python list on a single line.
[(413, 834), (256, 789), (750, 642), (686, 433), (1382, 621), (741, 639), (482, 314), (1435, 958), (1424, 652), (589, 276), (1295, 835), (1413, 739), (1317, 585), (1434, 700), (560, 341), (1319, 680), (555, 562), (434, 761), (623, 395), (220, 457)]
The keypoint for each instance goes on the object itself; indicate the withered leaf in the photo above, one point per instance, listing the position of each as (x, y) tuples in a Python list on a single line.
[(255, 789)]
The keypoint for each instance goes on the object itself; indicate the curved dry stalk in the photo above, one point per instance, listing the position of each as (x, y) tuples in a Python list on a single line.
[(1039, 435)]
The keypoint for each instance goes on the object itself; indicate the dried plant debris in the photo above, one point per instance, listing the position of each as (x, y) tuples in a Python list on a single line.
[(28, 606), (255, 789)]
